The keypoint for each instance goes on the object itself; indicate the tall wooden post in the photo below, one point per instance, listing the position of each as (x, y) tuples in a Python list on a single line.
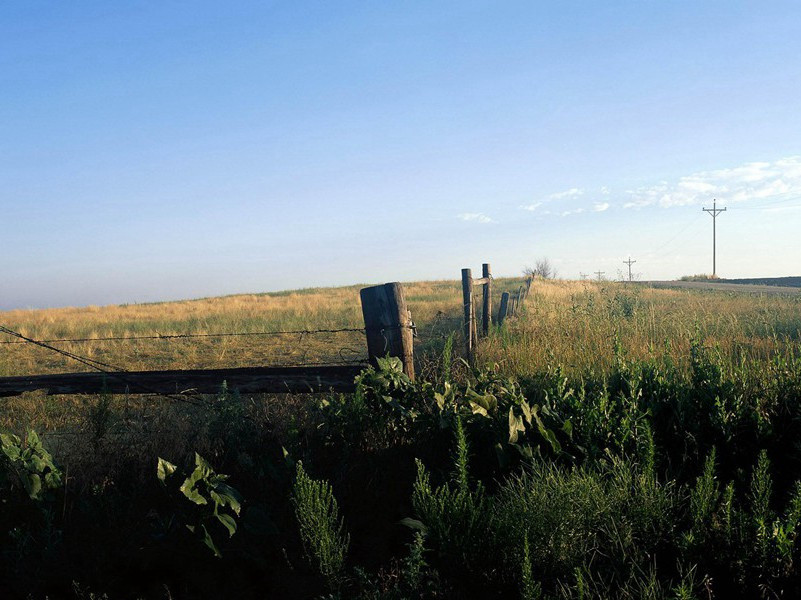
[(388, 324), (469, 314), (486, 310), (504, 307)]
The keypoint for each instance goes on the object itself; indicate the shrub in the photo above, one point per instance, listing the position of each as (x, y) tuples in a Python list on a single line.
[(322, 530)]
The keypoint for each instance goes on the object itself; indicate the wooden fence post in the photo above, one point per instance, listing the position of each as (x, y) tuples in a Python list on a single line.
[(486, 309), (388, 324), (504, 307), (469, 314)]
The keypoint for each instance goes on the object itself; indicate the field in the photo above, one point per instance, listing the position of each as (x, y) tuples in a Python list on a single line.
[(610, 441)]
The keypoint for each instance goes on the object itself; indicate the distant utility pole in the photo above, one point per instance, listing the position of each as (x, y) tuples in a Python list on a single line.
[(599, 273), (714, 211), (629, 262), (583, 276)]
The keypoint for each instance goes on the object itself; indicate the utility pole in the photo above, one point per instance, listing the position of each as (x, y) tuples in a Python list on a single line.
[(714, 211), (583, 276), (599, 273), (629, 262)]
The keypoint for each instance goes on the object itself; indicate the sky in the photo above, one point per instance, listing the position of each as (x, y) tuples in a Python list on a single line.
[(163, 150)]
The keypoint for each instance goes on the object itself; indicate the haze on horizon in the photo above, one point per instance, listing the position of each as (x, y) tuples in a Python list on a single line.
[(162, 151)]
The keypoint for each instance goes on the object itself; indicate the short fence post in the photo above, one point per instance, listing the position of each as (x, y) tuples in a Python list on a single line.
[(469, 314), (486, 310), (504, 307), (388, 324)]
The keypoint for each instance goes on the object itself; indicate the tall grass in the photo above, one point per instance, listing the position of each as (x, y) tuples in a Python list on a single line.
[(578, 325)]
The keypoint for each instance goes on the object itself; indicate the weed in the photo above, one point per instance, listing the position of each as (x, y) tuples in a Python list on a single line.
[(321, 528)]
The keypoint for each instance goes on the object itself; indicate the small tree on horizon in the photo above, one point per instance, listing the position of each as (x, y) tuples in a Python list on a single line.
[(542, 268)]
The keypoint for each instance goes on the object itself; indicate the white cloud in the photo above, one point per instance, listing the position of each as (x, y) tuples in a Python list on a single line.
[(600, 206), (476, 217), (751, 181), (574, 211), (564, 195), (571, 193)]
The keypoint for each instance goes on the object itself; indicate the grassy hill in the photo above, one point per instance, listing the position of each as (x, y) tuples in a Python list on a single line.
[(612, 441)]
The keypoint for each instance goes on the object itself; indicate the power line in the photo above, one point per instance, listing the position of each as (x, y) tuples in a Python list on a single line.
[(714, 211), (629, 262)]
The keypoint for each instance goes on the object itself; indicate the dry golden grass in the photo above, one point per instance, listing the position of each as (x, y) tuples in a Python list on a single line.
[(576, 324), (435, 305)]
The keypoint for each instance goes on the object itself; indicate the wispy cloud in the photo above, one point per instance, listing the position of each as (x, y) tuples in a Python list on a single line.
[(476, 217), (751, 181), (571, 193), (563, 195), (581, 201)]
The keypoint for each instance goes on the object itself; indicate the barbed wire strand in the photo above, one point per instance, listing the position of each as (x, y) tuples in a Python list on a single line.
[(176, 336), (115, 372)]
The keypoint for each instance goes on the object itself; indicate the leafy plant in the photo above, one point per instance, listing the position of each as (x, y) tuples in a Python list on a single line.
[(28, 465), (212, 500)]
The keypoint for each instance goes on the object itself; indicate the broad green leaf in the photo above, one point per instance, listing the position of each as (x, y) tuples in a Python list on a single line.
[(33, 485), (231, 496), (52, 479), (190, 491), (228, 522), (209, 542), (203, 466), (33, 439), (515, 426), (414, 524), (526, 411), (164, 469)]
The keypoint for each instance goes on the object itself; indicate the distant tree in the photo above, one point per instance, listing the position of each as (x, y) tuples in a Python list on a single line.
[(542, 269)]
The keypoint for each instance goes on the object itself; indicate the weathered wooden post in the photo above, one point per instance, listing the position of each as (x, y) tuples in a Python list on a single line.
[(486, 310), (388, 324), (469, 314), (504, 307)]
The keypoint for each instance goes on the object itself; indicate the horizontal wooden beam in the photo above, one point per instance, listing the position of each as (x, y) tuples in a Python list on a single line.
[(481, 281), (247, 380)]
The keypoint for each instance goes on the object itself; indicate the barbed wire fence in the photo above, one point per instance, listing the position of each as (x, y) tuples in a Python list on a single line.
[(383, 337)]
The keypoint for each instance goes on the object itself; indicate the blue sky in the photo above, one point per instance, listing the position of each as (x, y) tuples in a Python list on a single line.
[(153, 150)]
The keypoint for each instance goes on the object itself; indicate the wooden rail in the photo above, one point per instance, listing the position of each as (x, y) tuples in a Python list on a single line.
[(250, 380)]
